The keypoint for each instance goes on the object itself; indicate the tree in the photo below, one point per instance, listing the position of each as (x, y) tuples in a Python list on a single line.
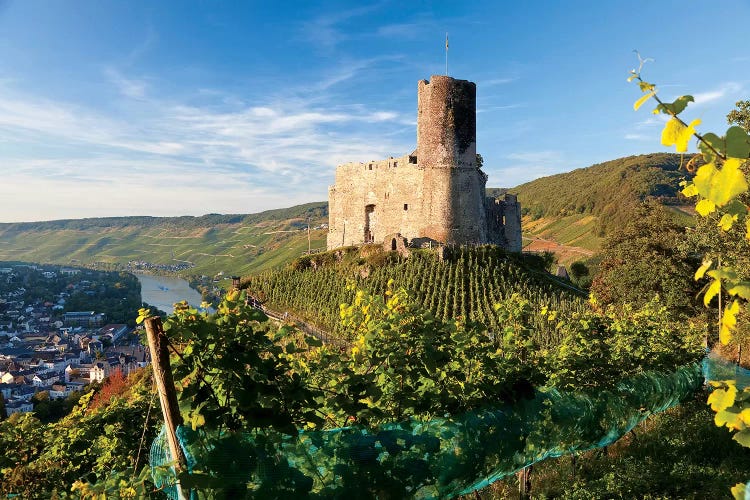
[(579, 271), (740, 115), (643, 258)]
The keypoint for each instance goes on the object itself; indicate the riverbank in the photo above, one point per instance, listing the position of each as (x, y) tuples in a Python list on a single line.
[(163, 292)]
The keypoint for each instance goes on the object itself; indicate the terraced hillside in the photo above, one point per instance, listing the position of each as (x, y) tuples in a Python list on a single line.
[(236, 244), (466, 283)]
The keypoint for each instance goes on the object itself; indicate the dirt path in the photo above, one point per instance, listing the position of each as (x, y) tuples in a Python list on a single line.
[(565, 253)]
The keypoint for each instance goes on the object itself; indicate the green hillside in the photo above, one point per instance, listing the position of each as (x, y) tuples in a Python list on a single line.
[(570, 213), (237, 244), (566, 213), (466, 283)]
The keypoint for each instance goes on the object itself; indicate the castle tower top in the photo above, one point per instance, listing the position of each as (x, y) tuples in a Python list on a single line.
[(446, 123)]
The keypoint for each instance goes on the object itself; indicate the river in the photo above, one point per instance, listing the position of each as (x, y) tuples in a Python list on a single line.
[(163, 291)]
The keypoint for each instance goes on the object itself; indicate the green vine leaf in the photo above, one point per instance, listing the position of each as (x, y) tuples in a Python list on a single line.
[(743, 437), (676, 107), (740, 290), (715, 142), (738, 143)]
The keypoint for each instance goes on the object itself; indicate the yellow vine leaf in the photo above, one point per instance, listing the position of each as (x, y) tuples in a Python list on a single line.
[(705, 207), (738, 491), (747, 225), (678, 135), (729, 417), (713, 290), (728, 322), (720, 186), (705, 266), (727, 221), (671, 132), (721, 399), (690, 190), (643, 99)]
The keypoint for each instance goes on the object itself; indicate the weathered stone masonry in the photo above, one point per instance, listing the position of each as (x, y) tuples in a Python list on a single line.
[(436, 194)]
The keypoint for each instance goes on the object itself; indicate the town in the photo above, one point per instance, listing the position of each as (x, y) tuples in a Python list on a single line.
[(62, 329)]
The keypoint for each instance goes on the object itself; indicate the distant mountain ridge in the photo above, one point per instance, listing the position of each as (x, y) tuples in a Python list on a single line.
[(568, 212), (313, 210), (236, 243)]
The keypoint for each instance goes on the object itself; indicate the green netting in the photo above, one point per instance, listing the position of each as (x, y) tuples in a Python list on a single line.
[(439, 458), (717, 368)]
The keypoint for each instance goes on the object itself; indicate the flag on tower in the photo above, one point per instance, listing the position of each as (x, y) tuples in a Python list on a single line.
[(446, 41)]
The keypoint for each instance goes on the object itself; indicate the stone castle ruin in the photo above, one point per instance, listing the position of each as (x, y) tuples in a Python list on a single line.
[(436, 195)]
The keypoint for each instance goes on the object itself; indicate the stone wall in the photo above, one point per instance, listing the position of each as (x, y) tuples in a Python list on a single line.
[(374, 199)]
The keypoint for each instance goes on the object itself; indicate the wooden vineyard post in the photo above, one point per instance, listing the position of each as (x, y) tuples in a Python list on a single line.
[(524, 482), (157, 343)]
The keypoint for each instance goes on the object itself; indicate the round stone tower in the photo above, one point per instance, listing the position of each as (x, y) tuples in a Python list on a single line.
[(454, 188)]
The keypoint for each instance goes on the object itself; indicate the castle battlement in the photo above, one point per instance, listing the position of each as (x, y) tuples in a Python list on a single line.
[(436, 193)]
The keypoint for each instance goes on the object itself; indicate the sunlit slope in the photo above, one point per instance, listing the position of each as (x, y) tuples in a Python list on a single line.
[(237, 244), (567, 213), (571, 213)]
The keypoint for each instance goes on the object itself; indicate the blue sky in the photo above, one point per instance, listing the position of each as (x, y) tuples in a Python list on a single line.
[(173, 108)]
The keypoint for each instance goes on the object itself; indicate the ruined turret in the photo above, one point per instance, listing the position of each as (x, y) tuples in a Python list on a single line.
[(434, 195), (453, 186)]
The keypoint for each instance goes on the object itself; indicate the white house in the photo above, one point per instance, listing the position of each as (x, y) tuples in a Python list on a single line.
[(99, 371), (18, 406), (59, 391)]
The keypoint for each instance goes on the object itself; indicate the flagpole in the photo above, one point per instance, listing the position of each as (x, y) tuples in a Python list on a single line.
[(446, 53)]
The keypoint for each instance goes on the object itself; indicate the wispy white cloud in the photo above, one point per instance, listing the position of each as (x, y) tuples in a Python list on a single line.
[(485, 109), (219, 157), (402, 30), (537, 156), (637, 137), (725, 89), (524, 166), (651, 121), (496, 81), (128, 87), (325, 31)]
